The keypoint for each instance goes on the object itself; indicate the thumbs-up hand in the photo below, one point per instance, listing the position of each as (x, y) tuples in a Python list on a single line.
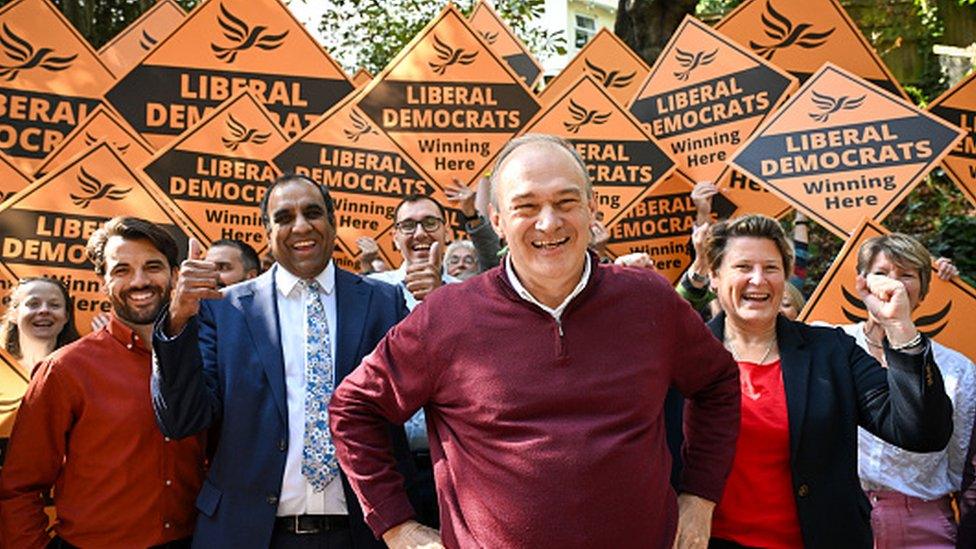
[(424, 276), (198, 279)]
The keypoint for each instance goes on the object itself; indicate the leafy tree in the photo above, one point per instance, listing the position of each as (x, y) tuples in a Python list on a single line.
[(369, 33)]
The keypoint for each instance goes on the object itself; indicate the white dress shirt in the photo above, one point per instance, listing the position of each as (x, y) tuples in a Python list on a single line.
[(396, 277), (297, 495), (929, 476), (556, 313)]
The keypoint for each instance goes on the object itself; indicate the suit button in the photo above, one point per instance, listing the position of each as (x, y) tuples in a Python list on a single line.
[(272, 500), (803, 491), (282, 445)]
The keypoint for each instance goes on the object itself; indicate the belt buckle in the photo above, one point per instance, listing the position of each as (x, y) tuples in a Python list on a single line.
[(300, 530)]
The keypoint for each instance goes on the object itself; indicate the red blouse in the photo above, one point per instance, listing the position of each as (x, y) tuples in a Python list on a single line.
[(757, 508)]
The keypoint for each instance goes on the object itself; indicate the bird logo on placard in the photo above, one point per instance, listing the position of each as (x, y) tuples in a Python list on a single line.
[(583, 116), (360, 127), (930, 325), (146, 41), (26, 58), (610, 79), (450, 56), (691, 61), (96, 190), (240, 134), (829, 105), (778, 27), (489, 37), (243, 37), (91, 140)]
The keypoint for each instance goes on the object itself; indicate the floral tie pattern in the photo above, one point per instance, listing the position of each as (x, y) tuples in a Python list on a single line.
[(319, 463)]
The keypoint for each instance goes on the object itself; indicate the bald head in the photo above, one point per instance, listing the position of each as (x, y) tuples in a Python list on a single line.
[(517, 147)]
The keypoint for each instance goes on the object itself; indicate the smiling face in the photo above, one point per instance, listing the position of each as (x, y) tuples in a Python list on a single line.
[(462, 262), (750, 280), (415, 246), (41, 311), (544, 215), (909, 276), (299, 233), (138, 279)]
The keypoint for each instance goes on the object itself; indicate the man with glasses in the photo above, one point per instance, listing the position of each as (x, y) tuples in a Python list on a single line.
[(421, 236)]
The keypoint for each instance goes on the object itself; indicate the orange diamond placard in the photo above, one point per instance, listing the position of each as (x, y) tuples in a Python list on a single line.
[(366, 172), (102, 123), (132, 44), (11, 178), (945, 315), (222, 48), (503, 41), (608, 60), (660, 224), (361, 78), (802, 35), (842, 149), (958, 106), (448, 101), (217, 173), (705, 96), (13, 385), (50, 79), (622, 159), (46, 226)]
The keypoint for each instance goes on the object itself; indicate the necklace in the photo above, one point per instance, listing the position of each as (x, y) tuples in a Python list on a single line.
[(735, 354)]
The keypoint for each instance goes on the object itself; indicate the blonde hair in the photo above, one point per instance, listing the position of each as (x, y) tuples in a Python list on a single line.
[(755, 226), (904, 251)]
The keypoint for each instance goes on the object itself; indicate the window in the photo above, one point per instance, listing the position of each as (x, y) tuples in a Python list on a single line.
[(584, 30)]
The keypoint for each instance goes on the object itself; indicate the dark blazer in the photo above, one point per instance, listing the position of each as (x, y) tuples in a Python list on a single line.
[(226, 369), (832, 387)]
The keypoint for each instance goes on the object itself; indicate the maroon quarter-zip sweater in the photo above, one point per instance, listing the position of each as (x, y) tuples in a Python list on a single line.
[(543, 433)]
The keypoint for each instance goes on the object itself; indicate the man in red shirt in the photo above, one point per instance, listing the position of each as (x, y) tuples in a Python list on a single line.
[(86, 426), (543, 382)]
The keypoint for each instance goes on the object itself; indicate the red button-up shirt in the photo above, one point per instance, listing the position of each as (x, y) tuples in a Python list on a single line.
[(86, 427)]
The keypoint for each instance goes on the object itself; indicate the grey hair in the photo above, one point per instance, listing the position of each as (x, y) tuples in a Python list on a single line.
[(530, 139)]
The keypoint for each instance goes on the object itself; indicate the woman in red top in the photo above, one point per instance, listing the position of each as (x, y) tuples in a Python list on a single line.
[(804, 391)]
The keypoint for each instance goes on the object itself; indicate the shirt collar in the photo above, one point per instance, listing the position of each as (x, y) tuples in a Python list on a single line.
[(287, 282), (557, 313), (124, 334)]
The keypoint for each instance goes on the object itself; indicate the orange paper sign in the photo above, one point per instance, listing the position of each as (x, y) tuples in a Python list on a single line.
[(223, 48), (802, 35), (217, 173), (11, 178), (660, 225), (448, 101), (361, 78), (842, 149), (46, 226), (132, 44), (13, 385), (607, 59), (102, 123), (945, 315), (958, 106), (622, 159), (366, 172), (50, 79), (503, 41)]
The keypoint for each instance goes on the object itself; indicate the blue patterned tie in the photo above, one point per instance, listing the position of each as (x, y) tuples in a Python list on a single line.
[(319, 463)]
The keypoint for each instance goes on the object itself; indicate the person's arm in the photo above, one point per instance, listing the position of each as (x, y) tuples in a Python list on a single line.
[(966, 538), (389, 386), (906, 404), (484, 238), (964, 411), (37, 450), (800, 248), (369, 250), (705, 373)]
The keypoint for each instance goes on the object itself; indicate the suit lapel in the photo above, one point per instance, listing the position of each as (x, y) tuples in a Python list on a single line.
[(352, 302), (261, 315), (795, 364)]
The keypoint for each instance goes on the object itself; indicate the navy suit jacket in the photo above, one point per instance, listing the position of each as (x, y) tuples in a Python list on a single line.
[(225, 369)]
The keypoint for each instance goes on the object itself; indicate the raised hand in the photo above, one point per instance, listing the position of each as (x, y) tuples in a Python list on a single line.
[(198, 279), (887, 302), (702, 196), (462, 197), (945, 269), (639, 260), (425, 276)]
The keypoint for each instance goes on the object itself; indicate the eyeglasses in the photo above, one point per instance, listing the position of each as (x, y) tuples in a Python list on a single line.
[(408, 226), (466, 260)]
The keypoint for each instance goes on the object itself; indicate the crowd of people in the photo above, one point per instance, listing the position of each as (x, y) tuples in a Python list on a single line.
[(518, 389)]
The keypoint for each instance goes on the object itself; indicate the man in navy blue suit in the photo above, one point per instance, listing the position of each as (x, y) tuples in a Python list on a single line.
[(256, 365)]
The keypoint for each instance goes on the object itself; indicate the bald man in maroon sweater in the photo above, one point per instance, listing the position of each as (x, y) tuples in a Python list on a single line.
[(544, 381)]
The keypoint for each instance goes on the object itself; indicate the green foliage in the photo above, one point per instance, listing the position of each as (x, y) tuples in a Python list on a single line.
[(715, 9), (369, 33)]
